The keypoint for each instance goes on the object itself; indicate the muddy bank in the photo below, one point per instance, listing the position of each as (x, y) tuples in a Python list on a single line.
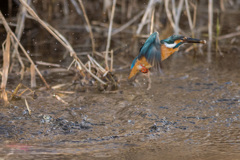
[(192, 111)]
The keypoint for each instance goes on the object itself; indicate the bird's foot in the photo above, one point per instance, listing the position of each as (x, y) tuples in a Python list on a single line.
[(149, 84), (149, 81)]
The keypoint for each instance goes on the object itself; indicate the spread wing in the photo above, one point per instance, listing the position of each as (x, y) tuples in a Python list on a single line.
[(151, 51)]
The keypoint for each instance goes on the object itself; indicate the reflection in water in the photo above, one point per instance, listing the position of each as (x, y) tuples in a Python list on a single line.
[(191, 112), (209, 50)]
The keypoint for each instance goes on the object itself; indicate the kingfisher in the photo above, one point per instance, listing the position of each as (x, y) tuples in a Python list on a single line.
[(154, 51)]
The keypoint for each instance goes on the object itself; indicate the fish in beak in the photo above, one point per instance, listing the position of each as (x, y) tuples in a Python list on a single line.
[(193, 40)]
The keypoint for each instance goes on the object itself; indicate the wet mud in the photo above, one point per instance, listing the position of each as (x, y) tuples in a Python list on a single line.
[(191, 112)]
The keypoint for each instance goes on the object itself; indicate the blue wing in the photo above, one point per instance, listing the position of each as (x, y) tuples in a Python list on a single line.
[(151, 50), (134, 61)]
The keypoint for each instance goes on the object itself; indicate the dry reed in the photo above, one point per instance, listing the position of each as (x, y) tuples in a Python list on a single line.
[(61, 39), (131, 21), (89, 26), (6, 63), (173, 12), (21, 17), (176, 13), (210, 31), (109, 34), (189, 17), (28, 108), (15, 91), (8, 29), (230, 35), (33, 76), (152, 21), (145, 16)]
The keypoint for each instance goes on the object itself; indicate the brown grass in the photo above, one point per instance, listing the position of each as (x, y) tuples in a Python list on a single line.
[(136, 20), (6, 63)]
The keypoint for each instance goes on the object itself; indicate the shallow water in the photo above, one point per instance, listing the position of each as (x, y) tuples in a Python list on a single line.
[(191, 112)]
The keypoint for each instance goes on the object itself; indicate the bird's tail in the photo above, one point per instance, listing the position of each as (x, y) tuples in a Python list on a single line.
[(133, 72)]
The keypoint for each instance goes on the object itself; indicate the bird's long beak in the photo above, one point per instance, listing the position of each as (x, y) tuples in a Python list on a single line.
[(193, 40)]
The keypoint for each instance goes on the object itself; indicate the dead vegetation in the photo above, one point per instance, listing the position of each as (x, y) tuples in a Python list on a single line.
[(119, 18)]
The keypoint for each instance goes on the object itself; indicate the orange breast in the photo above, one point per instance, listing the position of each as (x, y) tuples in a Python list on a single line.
[(141, 62), (166, 52)]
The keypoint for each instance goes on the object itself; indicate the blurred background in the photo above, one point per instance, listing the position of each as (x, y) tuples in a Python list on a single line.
[(132, 22), (83, 50)]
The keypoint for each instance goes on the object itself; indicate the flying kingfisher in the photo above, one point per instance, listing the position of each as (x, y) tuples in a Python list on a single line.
[(154, 51)]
